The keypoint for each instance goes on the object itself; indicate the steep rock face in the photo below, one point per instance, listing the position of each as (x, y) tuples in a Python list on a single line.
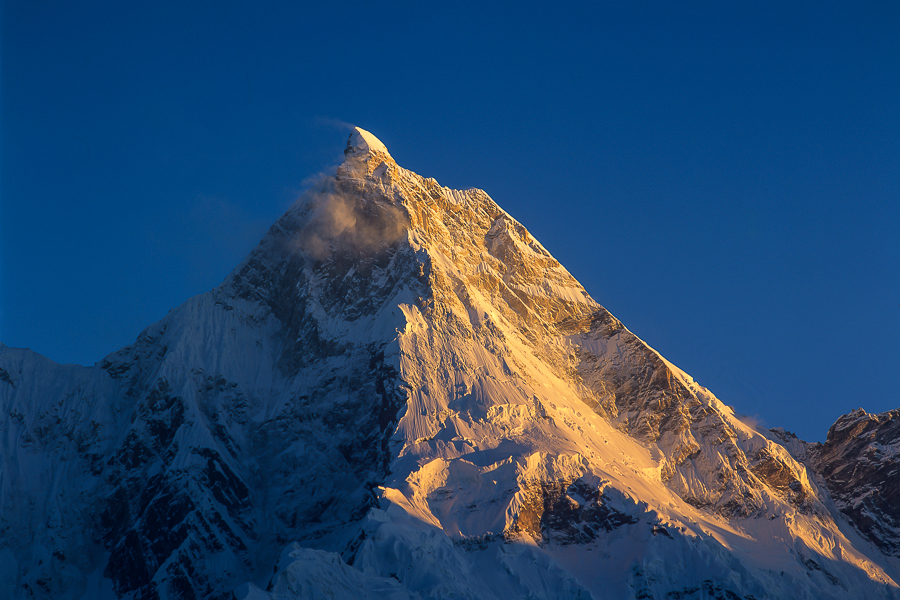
[(709, 458), (253, 415), (54, 431), (861, 467), (400, 390), (490, 280), (195, 473)]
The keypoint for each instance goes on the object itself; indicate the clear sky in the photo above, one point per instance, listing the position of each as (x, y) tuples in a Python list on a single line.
[(724, 177)]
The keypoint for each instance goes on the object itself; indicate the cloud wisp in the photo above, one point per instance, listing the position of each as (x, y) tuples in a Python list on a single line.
[(344, 223), (332, 122)]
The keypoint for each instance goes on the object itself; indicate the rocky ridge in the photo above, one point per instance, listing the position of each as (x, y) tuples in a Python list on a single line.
[(859, 465)]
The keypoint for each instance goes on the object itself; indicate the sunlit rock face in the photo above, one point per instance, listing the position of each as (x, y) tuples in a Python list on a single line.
[(399, 393)]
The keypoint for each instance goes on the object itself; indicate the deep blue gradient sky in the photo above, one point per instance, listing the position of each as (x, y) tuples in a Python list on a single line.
[(723, 177)]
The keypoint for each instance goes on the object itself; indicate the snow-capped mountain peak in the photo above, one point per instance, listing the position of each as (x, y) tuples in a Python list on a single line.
[(400, 392), (362, 142), (364, 153)]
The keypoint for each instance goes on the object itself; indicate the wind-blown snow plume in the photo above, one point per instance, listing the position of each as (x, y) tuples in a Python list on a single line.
[(332, 122), (347, 224)]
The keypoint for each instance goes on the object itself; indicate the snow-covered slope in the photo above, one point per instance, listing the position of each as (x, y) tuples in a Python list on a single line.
[(401, 394)]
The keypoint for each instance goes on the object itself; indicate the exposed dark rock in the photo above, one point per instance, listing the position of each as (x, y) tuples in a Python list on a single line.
[(780, 477), (6, 377), (860, 464), (551, 513)]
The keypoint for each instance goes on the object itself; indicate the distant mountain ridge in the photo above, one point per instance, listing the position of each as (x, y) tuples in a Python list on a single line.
[(400, 393), (858, 463)]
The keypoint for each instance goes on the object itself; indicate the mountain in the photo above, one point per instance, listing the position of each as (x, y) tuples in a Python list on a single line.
[(399, 394), (858, 464)]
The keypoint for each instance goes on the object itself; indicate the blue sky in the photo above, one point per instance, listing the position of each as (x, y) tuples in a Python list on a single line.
[(723, 177)]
